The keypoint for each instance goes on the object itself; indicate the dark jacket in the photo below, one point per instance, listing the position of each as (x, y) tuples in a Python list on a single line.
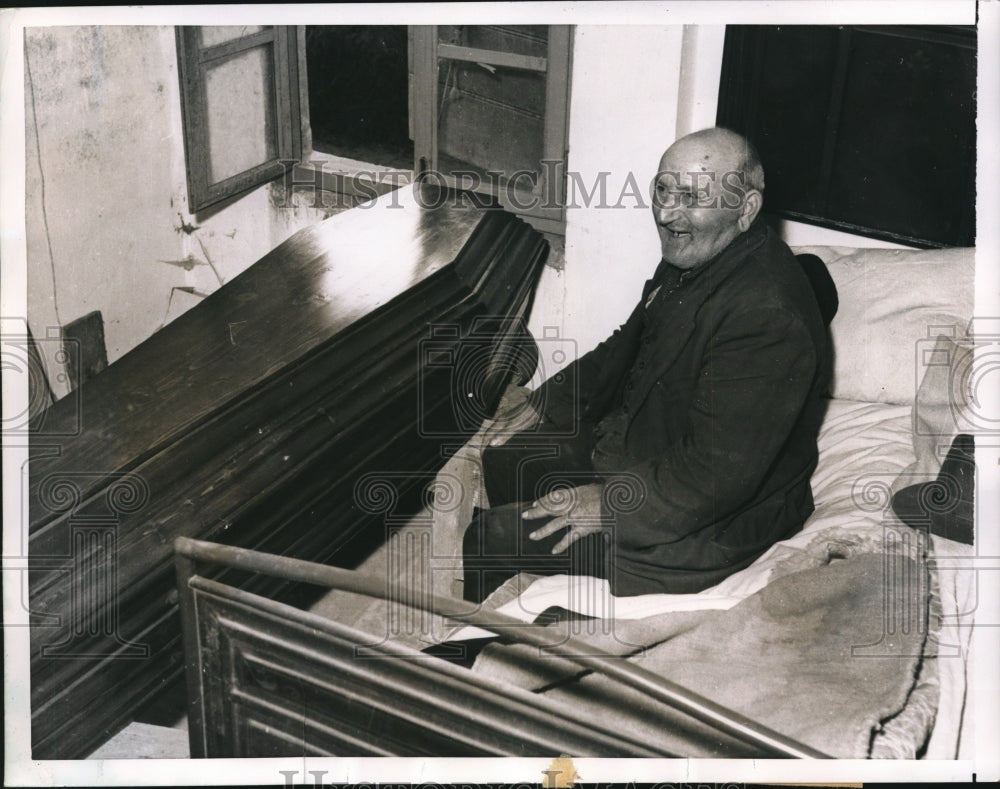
[(705, 410)]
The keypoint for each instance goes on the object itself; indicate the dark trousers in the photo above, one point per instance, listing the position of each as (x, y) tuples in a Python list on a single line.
[(496, 545)]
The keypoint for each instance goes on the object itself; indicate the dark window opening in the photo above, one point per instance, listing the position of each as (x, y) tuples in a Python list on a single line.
[(358, 93)]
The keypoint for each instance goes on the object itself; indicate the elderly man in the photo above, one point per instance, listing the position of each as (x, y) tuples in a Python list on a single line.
[(680, 449)]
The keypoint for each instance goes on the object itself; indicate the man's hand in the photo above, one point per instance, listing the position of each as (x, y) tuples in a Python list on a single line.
[(577, 509), (513, 415)]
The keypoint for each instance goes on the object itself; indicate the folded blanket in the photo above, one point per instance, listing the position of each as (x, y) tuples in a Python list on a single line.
[(831, 656)]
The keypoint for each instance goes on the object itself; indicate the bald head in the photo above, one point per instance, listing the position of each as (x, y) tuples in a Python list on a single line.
[(708, 191), (721, 151)]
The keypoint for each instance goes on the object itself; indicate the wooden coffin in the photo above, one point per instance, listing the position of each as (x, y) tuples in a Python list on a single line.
[(250, 420)]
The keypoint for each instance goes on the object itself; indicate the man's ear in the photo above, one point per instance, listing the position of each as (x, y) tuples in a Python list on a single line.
[(752, 204)]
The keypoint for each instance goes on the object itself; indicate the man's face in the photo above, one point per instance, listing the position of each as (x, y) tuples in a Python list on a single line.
[(696, 208)]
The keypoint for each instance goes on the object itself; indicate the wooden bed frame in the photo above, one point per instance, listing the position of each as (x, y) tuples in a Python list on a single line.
[(267, 679)]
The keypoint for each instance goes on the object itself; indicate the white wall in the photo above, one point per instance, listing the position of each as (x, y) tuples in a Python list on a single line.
[(106, 194), (701, 70), (619, 124), (797, 234)]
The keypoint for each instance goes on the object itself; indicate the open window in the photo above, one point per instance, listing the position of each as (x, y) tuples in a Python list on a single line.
[(486, 109), (358, 93), (240, 107)]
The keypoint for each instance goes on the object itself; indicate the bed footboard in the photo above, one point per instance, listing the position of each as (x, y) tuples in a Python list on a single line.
[(267, 679)]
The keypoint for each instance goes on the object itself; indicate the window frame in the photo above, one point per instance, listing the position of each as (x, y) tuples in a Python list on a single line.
[(290, 90), (193, 60), (547, 210)]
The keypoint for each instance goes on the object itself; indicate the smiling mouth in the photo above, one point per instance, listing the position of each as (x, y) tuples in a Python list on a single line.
[(675, 234)]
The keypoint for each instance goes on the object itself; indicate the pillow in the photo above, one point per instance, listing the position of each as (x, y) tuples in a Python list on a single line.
[(891, 300)]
